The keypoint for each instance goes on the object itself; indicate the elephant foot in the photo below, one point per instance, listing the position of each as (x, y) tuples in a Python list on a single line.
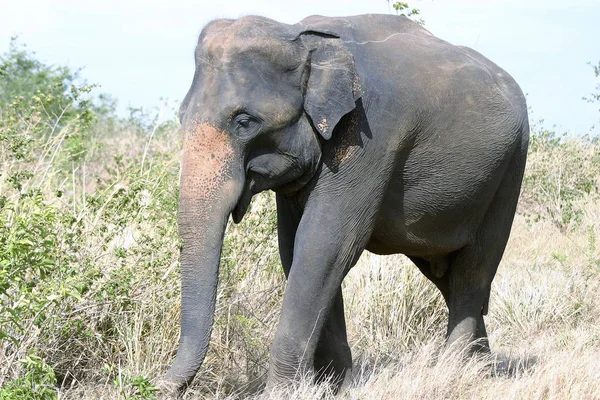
[(340, 381), (469, 346), (334, 371), (337, 376), (285, 388), (507, 366)]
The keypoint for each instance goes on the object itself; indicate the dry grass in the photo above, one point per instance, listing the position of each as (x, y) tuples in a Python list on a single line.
[(543, 322), (544, 328)]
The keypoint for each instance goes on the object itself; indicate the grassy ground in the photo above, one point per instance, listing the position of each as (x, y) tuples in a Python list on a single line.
[(543, 322), (544, 329), (90, 289)]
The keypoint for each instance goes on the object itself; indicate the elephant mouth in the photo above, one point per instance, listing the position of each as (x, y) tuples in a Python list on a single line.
[(290, 188), (243, 203), (257, 183)]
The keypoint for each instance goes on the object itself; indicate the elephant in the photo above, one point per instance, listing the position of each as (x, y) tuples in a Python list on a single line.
[(374, 135)]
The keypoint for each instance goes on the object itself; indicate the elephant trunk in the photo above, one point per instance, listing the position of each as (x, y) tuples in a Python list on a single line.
[(211, 186)]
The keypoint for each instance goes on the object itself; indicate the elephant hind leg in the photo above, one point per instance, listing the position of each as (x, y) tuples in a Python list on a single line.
[(466, 306), (333, 359), (462, 305), (473, 267)]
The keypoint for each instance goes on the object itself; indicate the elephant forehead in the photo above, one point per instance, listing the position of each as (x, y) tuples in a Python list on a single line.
[(244, 43), (207, 156)]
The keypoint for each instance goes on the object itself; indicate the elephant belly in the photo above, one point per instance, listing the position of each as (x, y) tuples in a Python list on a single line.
[(425, 236)]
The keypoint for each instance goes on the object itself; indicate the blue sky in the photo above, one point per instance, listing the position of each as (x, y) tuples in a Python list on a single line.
[(140, 51)]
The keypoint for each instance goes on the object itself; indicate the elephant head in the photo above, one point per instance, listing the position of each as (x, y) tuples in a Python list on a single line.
[(263, 98)]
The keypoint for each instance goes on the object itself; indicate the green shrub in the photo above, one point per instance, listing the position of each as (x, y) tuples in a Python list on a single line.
[(135, 388), (87, 228), (562, 176), (37, 383)]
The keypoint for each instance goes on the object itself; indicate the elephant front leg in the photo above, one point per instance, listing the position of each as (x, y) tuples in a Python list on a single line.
[(312, 331), (332, 360), (304, 338)]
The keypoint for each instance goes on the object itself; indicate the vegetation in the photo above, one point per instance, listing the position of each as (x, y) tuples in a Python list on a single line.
[(595, 97), (403, 8), (89, 287)]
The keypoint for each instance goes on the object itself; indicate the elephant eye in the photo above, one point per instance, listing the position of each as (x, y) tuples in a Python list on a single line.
[(245, 125), (244, 122)]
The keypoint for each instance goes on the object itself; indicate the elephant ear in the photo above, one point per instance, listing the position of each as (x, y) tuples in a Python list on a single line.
[(333, 85)]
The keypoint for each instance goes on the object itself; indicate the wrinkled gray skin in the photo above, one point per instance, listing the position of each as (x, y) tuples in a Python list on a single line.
[(375, 135)]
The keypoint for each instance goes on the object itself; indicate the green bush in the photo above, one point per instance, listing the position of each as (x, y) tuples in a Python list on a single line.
[(562, 176), (136, 388), (87, 228), (37, 383)]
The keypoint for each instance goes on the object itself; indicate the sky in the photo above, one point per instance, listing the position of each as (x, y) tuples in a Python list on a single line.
[(142, 51)]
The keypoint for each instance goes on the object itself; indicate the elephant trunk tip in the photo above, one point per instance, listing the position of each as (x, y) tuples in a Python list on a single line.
[(180, 375)]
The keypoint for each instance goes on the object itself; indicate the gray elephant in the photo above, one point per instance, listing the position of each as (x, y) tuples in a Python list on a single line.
[(375, 135)]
